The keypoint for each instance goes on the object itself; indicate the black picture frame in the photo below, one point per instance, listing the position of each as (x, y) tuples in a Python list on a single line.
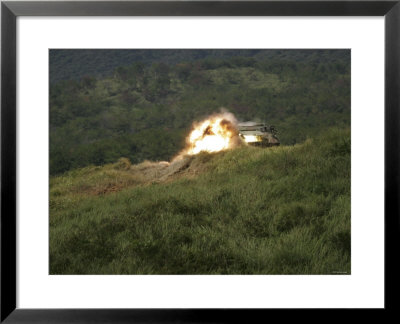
[(11, 10)]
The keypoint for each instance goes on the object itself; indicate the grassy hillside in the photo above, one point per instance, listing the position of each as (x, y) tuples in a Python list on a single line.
[(283, 210)]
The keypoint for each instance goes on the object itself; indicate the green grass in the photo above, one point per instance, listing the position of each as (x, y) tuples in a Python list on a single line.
[(283, 210)]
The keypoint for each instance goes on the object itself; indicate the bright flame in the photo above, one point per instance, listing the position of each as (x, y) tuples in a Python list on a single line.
[(251, 138), (214, 134)]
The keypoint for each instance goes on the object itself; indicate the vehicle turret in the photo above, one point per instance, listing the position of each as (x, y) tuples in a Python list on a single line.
[(258, 134)]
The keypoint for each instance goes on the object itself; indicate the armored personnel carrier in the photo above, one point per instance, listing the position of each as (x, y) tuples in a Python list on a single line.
[(258, 134)]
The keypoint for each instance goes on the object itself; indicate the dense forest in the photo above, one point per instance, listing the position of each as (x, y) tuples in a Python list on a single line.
[(73, 64), (140, 104)]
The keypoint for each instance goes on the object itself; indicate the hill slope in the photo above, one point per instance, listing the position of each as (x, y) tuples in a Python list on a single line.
[(283, 210)]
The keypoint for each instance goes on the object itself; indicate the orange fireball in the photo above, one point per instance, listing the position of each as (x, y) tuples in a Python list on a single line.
[(214, 134)]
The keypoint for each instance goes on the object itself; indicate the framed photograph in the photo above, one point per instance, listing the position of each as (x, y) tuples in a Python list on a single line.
[(190, 161)]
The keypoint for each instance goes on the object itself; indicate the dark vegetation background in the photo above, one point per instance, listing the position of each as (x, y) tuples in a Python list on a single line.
[(140, 104)]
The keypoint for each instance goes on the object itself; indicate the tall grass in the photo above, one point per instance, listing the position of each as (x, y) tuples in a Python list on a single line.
[(283, 210)]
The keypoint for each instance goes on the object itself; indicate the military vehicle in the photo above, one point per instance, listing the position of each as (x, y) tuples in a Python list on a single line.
[(258, 134)]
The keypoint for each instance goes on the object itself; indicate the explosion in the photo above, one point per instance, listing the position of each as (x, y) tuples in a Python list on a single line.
[(251, 138), (214, 134)]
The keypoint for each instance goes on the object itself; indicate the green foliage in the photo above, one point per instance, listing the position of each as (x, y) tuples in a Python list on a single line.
[(283, 210), (143, 108), (73, 64)]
